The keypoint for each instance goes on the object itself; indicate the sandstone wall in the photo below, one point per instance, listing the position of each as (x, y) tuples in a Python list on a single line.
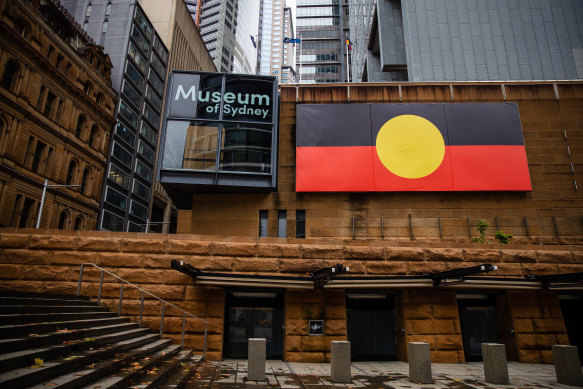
[(49, 261)]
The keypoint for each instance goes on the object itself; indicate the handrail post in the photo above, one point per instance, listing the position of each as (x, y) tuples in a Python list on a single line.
[(80, 279), (120, 298), (100, 286), (162, 318), (183, 327), (141, 309), (206, 327)]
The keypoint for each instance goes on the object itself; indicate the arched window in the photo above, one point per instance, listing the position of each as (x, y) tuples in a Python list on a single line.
[(63, 220), (93, 134), (21, 28), (87, 87), (79, 223), (80, 124), (71, 172), (10, 74), (99, 98), (85, 180)]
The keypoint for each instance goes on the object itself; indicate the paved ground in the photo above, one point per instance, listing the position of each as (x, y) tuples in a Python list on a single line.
[(233, 374)]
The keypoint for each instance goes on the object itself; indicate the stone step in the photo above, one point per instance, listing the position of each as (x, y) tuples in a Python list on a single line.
[(44, 295), (87, 374), (35, 300), (40, 340), (27, 357), (184, 374), (146, 366), (51, 317), (159, 374), (40, 372), (11, 309), (11, 331)]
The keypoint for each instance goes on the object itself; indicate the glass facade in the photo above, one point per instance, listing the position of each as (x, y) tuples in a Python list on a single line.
[(323, 29)]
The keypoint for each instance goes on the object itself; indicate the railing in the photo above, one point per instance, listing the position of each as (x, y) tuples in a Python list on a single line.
[(164, 303)]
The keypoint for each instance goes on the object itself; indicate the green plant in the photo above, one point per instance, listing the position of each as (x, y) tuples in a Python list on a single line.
[(502, 237), (481, 227)]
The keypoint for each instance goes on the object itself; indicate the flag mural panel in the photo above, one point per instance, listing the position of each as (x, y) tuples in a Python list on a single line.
[(410, 147)]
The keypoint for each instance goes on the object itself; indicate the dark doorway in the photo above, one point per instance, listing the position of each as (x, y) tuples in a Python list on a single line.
[(251, 314), (572, 308), (478, 320), (371, 326)]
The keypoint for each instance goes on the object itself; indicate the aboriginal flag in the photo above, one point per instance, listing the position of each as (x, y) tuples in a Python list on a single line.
[(410, 147)]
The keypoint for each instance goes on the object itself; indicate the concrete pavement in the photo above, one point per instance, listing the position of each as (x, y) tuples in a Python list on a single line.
[(279, 374)]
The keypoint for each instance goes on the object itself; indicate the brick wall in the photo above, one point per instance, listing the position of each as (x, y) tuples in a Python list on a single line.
[(49, 261)]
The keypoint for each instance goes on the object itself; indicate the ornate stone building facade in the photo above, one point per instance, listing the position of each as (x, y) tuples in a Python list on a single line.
[(56, 113)]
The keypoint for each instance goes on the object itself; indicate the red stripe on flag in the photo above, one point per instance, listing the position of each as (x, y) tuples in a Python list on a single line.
[(334, 169), (439, 180), (478, 168)]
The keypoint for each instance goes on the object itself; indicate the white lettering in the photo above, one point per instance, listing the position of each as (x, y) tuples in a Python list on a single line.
[(229, 97), (261, 98), (191, 92)]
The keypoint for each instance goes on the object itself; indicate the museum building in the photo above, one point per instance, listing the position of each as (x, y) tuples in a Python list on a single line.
[(377, 213)]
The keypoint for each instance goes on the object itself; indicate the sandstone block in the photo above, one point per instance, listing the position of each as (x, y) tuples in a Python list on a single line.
[(414, 268), (517, 255), (321, 252), (526, 341), (278, 250), (417, 311), (151, 246), (388, 268), (364, 253), (404, 254), (448, 342), (482, 255), (293, 343), (211, 263), (430, 339), (255, 265), (442, 311), (99, 244), (234, 249), (429, 326), (293, 311), (110, 259), (299, 265), (176, 246), (529, 356), (335, 328), (549, 326), (547, 256), (335, 312), (296, 327), (444, 254), (53, 242), (447, 356), (25, 257), (14, 240), (523, 326)]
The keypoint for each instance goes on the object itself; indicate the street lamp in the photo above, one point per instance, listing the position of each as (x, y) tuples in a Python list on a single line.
[(42, 201)]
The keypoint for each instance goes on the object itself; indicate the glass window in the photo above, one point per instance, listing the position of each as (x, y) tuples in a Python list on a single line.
[(138, 59), (147, 132), (259, 101), (105, 25), (300, 223), (141, 42), (161, 50), (156, 83), (263, 223), (144, 171), (111, 222), (141, 190), (131, 94), (119, 176), (108, 9), (124, 133), (122, 154), (146, 152), (134, 76), (138, 210), (281, 224), (133, 227), (190, 145), (143, 24), (158, 66), (153, 99), (128, 113), (246, 148), (152, 117), (115, 198)]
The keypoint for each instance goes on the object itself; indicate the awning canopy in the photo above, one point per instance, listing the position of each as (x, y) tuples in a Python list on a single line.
[(335, 278)]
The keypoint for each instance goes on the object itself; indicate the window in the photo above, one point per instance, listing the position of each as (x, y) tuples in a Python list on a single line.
[(79, 223), (124, 133), (138, 59), (147, 132), (131, 94), (138, 210), (146, 152), (84, 181), (161, 50), (133, 227), (143, 24), (158, 66), (153, 99), (105, 25), (134, 76), (88, 11), (50, 104), (26, 217), (115, 198), (263, 223), (119, 176), (300, 223), (63, 220), (71, 173), (156, 83), (59, 62), (80, 124), (111, 222), (141, 190), (152, 117), (122, 154), (41, 96), (140, 40), (143, 171), (108, 8), (281, 224), (93, 134), (38, 155), (10, 74), (128, 114)]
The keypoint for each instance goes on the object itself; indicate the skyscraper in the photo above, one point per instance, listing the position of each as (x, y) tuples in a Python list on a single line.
[(467, 40), (274, 57), (226, 26), (322, 25)]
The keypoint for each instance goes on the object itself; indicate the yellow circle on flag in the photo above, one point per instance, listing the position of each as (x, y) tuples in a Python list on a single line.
[(410, 146)]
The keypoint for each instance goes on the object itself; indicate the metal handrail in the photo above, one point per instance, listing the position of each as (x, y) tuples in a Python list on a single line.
[(164, 303)]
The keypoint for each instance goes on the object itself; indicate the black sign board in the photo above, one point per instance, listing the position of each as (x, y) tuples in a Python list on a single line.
[(316, 327)]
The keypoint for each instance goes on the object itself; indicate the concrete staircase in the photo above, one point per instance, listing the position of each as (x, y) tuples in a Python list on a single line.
[(58, 341)]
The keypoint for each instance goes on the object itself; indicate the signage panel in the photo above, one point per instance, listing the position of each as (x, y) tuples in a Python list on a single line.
[(410, 147)]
